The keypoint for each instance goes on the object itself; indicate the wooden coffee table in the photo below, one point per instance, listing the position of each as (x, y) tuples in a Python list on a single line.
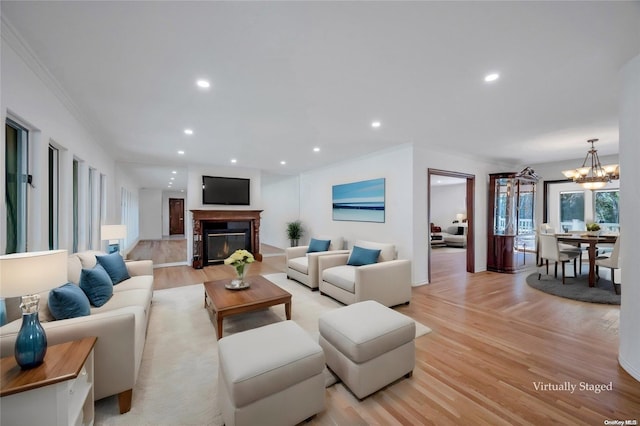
[(222, 302)]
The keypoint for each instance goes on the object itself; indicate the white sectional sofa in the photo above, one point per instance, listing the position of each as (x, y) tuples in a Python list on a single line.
[(455, 236), (120, 325)]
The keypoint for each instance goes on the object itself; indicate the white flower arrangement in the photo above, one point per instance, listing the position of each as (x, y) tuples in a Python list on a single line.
[(239, 259)]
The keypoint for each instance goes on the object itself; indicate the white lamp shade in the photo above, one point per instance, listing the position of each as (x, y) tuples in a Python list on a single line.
[(593, 185), (113, 232), (22, 274), (611, 168)]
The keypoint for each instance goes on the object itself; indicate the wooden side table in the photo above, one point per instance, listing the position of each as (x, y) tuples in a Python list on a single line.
[(59, 391)]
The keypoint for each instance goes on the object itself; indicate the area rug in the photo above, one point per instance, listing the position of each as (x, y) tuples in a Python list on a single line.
[(178, 380), (576, 288)]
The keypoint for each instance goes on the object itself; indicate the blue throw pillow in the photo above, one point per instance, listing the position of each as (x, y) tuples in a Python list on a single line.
[(362, 256), (318, 245), (68, 301), (114, 265), (97, 285)]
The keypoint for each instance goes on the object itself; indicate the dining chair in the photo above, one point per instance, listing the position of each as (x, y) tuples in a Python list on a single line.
[(612, 262), (545, 228), (550, 251)]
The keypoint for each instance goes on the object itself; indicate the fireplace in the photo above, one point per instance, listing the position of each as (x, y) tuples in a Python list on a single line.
[(219, 243), (218, 233)]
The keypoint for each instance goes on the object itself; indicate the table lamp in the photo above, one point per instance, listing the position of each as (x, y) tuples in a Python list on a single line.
[(24, 275), (113, 234)]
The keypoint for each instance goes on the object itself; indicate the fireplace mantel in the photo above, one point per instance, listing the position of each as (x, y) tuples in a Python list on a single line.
[(201, 217)]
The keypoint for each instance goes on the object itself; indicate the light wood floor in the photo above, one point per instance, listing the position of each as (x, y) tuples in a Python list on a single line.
[(494, 338), (160, 251)]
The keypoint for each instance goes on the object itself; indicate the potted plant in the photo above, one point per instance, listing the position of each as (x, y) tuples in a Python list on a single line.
[(294, 232), (593, 229)]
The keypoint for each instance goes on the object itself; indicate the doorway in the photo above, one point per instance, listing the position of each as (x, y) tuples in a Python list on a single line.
[(176, 216), (470, 182)]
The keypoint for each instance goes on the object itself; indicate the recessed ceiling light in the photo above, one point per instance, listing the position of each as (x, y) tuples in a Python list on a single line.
[(234, 161), (375, 124), (173, 178), (204, 84), (316, 149), (181, 152), (188, 131), (283, 162), (491, 77), (182, 190), (174, 172)]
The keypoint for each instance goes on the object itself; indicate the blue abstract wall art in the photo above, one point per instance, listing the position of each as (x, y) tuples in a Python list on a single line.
[(359, 201)]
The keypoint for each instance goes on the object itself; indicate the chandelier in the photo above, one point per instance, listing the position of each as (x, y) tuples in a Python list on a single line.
[(592, 174)]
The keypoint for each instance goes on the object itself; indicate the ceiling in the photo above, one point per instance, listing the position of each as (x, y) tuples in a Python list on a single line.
[(290, 76)]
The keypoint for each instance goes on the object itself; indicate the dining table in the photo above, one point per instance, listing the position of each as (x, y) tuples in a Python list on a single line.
[(592, 241)]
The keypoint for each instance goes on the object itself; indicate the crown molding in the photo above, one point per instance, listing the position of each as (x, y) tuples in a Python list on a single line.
[(19, 45)]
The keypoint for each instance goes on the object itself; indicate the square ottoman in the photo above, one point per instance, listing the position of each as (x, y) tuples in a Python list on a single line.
[(271, 375), (368, 345)]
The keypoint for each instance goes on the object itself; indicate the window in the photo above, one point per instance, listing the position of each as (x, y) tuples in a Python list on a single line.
[(16, 175), (606, 208), (572, 210), (54, 185), (129, 215), (569, 207), (92, 216), (579, 207), (76, 167), (103, 199)]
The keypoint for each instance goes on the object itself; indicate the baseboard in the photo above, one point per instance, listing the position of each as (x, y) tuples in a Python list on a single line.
[(629, 368)]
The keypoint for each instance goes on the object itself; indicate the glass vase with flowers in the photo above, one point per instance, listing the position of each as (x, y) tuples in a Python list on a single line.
[(240, 260)]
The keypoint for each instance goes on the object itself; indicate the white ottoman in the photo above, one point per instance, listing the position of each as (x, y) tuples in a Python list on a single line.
[(272, 375), (368, 345)]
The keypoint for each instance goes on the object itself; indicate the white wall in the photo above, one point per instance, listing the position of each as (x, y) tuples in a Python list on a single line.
[(446, 202), (395, 165), (194, 186), (281, 201), (165, 208), (629, 356), (26, 97), (425, 158), (405, 169), (150, 214)]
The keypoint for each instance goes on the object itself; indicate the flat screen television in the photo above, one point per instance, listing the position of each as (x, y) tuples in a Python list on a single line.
[(226, 190)]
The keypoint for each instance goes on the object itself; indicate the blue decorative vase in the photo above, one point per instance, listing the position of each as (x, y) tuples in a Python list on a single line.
[(31, 343)]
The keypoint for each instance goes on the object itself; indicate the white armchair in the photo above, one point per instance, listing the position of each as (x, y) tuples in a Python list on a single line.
[(388, 281), (303, 266)]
